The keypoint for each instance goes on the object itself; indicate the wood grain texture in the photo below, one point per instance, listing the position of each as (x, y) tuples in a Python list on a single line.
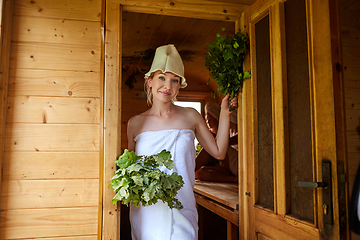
[(188, 7), (35, 194), (89, 10), (278, 227), (29, 109), (85, 237), (224, 193), (54, 83), (32, 223), (61, 31), (55, 57), (5, 45), (112, 115), (50, 165), (52, 137)]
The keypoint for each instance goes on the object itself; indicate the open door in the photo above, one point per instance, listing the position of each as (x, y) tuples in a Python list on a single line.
[(294, 180)]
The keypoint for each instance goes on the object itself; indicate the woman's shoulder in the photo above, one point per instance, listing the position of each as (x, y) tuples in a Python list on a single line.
[(189, 111), (137, 120)]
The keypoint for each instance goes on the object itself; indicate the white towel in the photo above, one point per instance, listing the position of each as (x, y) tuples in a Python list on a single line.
[(158, 221)]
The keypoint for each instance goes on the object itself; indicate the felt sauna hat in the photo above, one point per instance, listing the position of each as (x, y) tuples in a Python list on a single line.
[(167, 59)]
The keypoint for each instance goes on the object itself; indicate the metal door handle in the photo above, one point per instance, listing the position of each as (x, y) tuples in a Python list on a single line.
[(313, 184)]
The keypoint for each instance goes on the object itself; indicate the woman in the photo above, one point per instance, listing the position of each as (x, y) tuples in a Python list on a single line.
[(170, 127)]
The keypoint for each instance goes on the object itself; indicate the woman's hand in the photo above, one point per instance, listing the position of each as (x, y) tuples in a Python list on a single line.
[(225, 103)]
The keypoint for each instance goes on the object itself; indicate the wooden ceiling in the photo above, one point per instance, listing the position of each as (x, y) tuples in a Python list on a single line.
[(145, 32)]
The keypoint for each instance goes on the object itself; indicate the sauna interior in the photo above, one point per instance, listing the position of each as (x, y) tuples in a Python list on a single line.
[(72, 75)]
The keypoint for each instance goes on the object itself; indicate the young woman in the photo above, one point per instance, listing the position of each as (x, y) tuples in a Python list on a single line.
[(170, 127)]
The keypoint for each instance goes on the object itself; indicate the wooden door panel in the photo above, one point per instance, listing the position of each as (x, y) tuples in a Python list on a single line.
[(292, 125)]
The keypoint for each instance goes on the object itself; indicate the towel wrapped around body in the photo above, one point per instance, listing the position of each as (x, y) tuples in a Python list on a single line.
[(158, 221)]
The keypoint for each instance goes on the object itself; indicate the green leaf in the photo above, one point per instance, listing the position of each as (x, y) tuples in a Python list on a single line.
[(247, 74)]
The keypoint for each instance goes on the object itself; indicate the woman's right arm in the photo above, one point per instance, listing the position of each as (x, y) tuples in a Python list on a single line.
[(130, 134)]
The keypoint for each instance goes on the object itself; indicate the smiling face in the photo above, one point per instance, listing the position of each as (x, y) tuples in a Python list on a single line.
[(164, 86)]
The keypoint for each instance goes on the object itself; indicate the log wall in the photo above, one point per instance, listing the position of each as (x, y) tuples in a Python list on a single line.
[(50, 184)]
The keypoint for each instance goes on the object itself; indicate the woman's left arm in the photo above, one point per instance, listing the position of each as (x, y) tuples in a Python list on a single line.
[(216, 147)]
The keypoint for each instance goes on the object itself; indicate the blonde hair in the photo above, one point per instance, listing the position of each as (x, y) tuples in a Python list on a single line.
[(148, 89)]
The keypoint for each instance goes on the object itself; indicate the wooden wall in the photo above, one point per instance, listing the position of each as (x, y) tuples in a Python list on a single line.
[(350, 38), (50, 184)]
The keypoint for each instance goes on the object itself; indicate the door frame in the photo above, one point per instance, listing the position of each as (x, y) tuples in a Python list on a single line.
[(109, 220)]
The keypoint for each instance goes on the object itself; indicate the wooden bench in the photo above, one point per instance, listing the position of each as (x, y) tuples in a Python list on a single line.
[(223, 200)]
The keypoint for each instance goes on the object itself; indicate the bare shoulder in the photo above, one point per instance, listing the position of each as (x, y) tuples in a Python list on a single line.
[(190, 116), (135, 123)]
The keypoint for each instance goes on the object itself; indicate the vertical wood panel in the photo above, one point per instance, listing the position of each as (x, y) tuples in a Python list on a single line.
[(243, 24), (5, 45), (112, 114), (280, 114), (322, 87)]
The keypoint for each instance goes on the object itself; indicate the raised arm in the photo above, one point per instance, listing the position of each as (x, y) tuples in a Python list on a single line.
[(216, 147)]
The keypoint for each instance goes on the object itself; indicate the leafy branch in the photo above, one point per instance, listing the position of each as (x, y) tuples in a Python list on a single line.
[(225, 62), (138, 180)]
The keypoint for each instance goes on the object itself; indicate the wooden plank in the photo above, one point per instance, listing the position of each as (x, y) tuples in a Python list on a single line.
[(61, 31), (112, 117), (259, 8), (187, 8), (351, 56), (352, 83), (29, 109), (243, 26), (273, 225), (225, 193), (5, 47), (352, 119), (351, 73), (63, 9), (320, 59), (220, 210), (55, 57), (50, 165), (232, 231), (54, 83), (353, 94), (55, 222), (52, 137), (35, 194), (353, 145), (278, 74), (85, 237), (350, 36)]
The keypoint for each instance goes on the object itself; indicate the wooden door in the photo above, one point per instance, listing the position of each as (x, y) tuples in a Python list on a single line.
[(293, 124)]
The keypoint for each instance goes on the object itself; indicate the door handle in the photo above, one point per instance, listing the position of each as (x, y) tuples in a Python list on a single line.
[(326, 186), (313, 184)]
